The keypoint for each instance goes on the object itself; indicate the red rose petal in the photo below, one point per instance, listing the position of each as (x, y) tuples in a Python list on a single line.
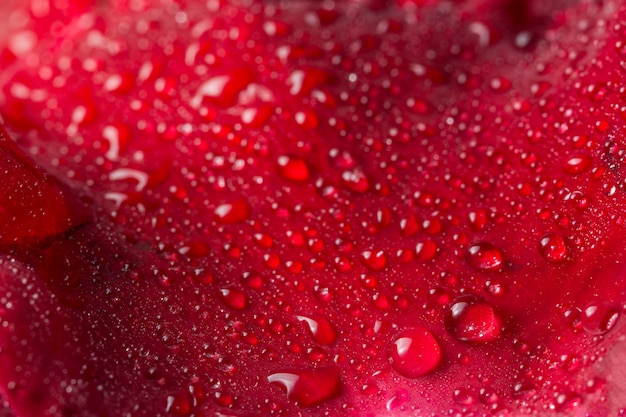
[(438, 147)]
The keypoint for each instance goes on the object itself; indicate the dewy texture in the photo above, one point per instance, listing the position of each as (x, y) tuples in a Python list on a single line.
[(322, 208)]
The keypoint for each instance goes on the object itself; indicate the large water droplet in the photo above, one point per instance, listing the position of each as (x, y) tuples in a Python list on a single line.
[(355, 180), (478, 219), (415, 352), (577, 164), (222, 89), (309, 387), (117, 136), (568, 401), (552, 247), (474, 320), (306, 119), (485, 256), (409, 225), (599, 317), (397, 400), (303, 81), (293, 168), (232, 212), (178, 405), (374, 260), (119, 83), (426, 250), (571, 317), (233, 298), (463, 396), (322, 331)]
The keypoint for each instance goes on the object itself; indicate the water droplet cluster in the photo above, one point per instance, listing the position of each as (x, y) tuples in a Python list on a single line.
[(315, 208)]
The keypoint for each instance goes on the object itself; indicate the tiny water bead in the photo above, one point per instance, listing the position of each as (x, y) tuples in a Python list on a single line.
[(552, 247), (474, 320), (485, 256), (309, 387), (415, 352)]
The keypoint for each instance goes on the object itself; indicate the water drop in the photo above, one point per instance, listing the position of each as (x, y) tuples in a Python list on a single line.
[(293, 168), (222, 89), (415, 352), (233, 298), (306, 119), (524, 388), (309, 387), (568, 401), (224, 399), (178, 405), (599, 317), (419, 106), (84, 114), (355, 180), (409, 225), (494, 287), (462, 396), (343, 264), (397, 400), (303, 81), (381, 302), (571, 317), (117, 135), (439, 296), (119, 83), (485, 256), (474, 320), (425, 250), (194, 249), (500, 84), (552, 247), (577, 164), (478, 219), (233, 212), (139, 177), (321, 329), (488, 396), (374, 260), (432, 226), (272, 261)]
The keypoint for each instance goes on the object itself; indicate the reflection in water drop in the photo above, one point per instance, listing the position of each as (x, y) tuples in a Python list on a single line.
[(309, 387), (232, 212), (599, 317), (415, 352), (321, 329), (293, 168), (552, 247), (484, 256), (474, 320)]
